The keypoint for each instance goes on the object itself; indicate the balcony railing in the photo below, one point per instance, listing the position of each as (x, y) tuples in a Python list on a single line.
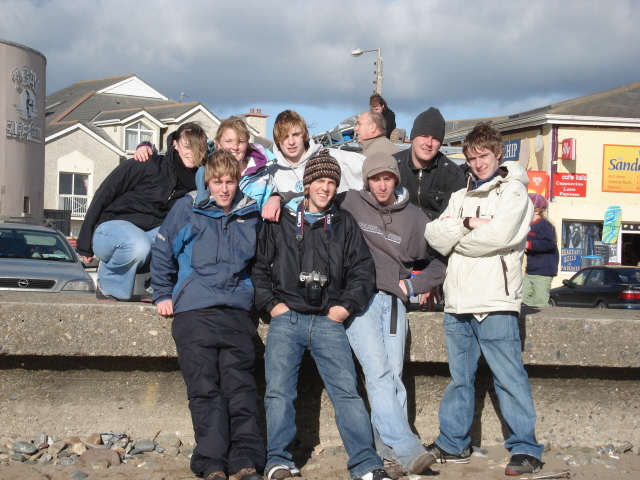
[(78, 204)]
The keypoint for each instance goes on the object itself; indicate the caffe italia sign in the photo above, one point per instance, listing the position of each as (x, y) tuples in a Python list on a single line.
[(23, 126)]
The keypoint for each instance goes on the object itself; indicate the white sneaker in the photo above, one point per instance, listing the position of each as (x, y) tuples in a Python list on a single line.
[(279, 472), (377, 474)]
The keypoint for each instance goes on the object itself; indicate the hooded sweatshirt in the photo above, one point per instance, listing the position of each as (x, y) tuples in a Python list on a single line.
[(288, 177), (395, 237)]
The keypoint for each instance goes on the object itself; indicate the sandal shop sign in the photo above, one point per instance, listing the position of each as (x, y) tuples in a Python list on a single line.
[(621, 169), (569, 184)]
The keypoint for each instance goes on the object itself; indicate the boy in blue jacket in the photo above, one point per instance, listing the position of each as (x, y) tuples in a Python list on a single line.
[(200, 274)]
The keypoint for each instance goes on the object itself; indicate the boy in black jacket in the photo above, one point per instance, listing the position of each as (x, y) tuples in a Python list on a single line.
[(312, 271)]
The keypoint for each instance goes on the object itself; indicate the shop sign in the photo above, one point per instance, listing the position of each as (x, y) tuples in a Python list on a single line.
[(621, 169), (538, 183), (511, 150), (569, 184), (569, 149), (26, 83)]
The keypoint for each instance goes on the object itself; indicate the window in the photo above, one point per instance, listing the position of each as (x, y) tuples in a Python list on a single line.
[(136, 134), (596, 279), (73, 193), (580, 278), (73, 184)]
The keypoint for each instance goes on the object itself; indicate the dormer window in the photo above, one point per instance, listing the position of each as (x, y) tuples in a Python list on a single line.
[(136, 134)]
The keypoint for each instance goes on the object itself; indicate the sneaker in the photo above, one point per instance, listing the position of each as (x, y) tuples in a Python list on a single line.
[(377, 474), (103, 297), (423, 462), (216, 476), (521, 464), (282, 471), (248, 474), (444, 457)]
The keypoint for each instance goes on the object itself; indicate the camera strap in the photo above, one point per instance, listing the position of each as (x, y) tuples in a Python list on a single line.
[(300, 231), (300, 222)]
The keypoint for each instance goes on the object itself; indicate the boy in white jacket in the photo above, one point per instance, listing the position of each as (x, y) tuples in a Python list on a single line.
[(483, 231)]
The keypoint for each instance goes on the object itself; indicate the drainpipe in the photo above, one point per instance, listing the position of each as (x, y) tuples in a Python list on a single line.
[(554, 158)]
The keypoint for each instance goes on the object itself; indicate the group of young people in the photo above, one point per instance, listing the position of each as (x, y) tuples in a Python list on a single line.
[(325, 242)]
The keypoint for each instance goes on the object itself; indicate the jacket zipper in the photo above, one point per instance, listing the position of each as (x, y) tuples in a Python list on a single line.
[(419, 188), (504, 274)]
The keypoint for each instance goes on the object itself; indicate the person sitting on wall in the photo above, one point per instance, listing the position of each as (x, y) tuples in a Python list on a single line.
[(127, 210)]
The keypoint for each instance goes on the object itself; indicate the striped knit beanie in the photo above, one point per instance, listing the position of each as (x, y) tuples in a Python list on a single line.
[(321, 165)]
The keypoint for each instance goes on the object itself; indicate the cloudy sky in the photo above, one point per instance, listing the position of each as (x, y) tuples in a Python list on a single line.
[(470, 58)]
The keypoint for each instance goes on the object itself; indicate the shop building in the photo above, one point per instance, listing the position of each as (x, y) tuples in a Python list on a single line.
[(584, 156)]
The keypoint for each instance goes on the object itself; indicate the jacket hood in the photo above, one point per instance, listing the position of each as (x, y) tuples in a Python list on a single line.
[(508, 172), (257, 159), (402, 199), (203, 200), (292, 208), (313, 149)]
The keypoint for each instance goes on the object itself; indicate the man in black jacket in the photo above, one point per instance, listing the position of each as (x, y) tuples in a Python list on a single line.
[(313, 270), (428, 175), (129, 207)]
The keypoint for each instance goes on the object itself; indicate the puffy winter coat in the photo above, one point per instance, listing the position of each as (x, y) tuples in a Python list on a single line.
[(484, 273), (201, 255)]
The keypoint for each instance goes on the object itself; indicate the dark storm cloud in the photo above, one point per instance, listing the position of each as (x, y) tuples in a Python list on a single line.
[(469, 58)]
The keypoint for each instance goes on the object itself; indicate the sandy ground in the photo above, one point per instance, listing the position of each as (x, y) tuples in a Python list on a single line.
[(330, 464)]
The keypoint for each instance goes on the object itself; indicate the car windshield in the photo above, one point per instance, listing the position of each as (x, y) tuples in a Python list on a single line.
[(629, 275), (34, 244)]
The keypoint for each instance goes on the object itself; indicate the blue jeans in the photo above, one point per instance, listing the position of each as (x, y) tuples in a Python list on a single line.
[(497, 338), (122, 249), (290, 334), (382, 359)]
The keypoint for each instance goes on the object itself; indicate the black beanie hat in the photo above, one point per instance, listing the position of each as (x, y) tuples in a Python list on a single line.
[(431, 123), (321, 165)]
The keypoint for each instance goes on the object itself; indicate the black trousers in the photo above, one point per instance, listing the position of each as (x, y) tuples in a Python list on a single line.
[(217, 357)]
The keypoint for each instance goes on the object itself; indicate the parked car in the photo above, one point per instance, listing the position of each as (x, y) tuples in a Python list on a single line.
[(40, 259), (600, 287)]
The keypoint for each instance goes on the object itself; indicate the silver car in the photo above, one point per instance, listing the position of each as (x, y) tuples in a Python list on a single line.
[(40, 259)]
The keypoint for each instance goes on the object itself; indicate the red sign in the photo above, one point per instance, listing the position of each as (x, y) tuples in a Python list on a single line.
[(569, 184), (538, 183), (569, 149)]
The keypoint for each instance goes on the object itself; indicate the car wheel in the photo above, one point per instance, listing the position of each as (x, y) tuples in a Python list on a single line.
[(601, 305), (552, 302)]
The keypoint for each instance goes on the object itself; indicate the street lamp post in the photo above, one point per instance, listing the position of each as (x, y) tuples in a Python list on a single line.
[(378, 72)]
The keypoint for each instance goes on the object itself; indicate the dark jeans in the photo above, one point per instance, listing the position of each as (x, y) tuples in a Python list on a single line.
[(217, 356)]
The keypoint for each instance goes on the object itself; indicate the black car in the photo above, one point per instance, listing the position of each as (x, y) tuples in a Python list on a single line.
[(605, 286)]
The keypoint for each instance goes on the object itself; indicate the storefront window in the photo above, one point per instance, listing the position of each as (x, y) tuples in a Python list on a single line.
[(582, 246)]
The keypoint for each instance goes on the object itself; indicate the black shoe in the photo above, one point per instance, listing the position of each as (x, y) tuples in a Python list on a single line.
[(103, 297), (377, 474), (521, 464), (247, 474), (444, 457), (146, 297), (216, 476)]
